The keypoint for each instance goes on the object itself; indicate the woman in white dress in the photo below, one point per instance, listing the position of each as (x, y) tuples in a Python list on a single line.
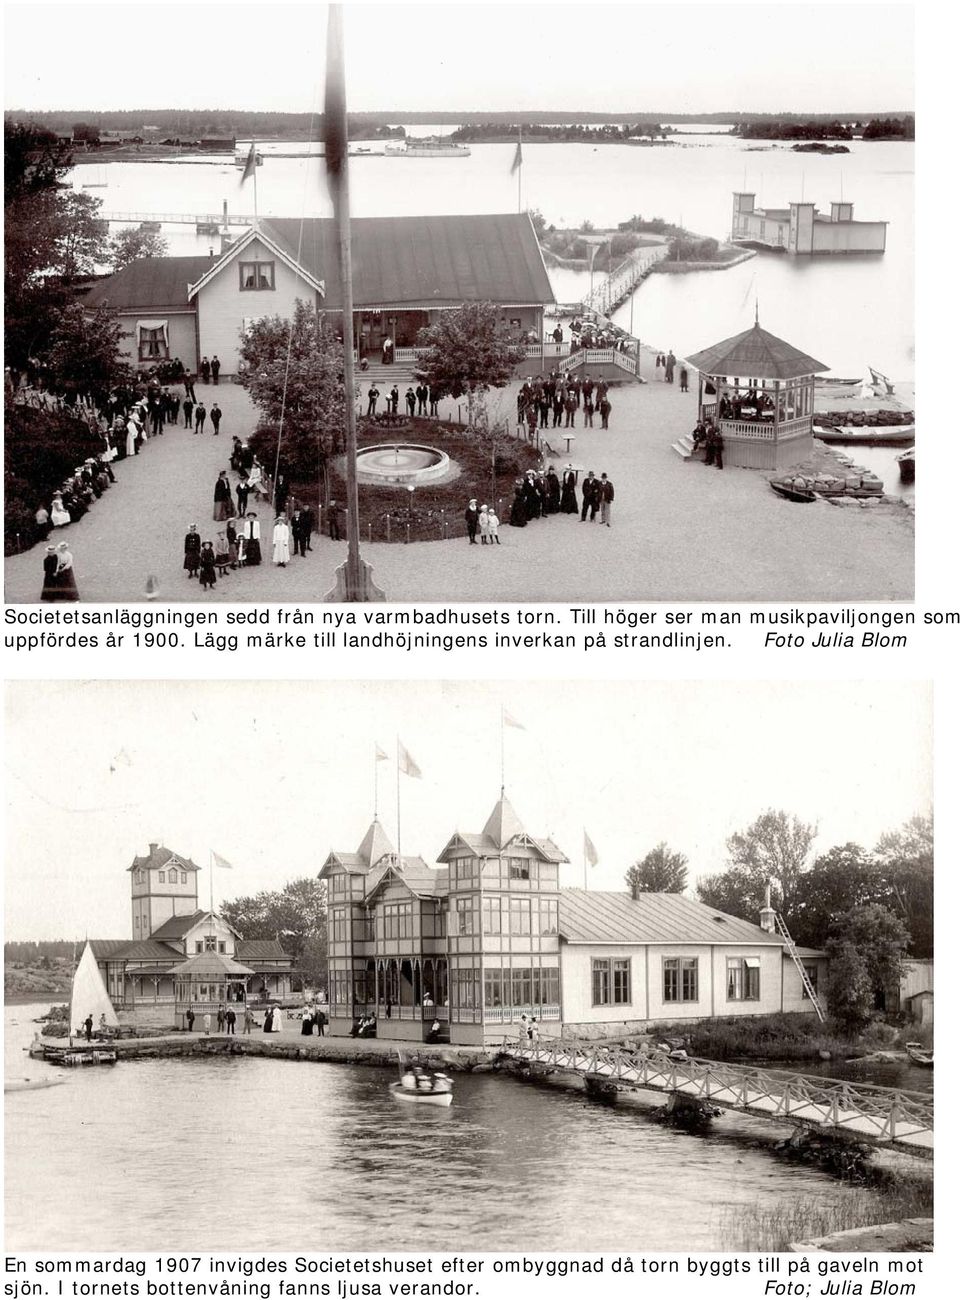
[(59, 516), (132, 432), (281, 542), (277, 1020)]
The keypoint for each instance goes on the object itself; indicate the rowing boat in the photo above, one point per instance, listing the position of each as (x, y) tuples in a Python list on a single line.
[(419, 1098), (792, 493), (919, 1055)]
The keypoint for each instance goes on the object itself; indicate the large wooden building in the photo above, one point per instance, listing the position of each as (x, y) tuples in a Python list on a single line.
[(490, 936), (406, 271), (158, 973)]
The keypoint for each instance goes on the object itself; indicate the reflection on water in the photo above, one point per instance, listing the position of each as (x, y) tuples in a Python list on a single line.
[(259, 1154)]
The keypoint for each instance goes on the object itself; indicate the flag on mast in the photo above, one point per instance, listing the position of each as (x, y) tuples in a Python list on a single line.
[(250, 166), (405, 761), (381, 757), (510, 721), (221, 862), (590, 854), (517, 159)]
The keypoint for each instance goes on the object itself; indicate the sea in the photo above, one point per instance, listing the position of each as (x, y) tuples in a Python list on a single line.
[(849, 313), (234, 1153)]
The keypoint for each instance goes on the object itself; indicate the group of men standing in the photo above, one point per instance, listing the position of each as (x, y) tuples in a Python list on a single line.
[(416, 399), (561, 398)]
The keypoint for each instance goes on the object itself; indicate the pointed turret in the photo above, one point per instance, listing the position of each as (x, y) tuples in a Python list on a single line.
[(503, 824), (375, 845)]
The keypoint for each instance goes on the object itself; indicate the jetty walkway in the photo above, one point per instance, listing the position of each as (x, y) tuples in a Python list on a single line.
[(891, 1117)]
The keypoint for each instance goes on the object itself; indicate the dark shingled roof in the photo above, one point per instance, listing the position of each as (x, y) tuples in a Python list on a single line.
[(755, 354), (159, 857), (258, 949), (134, 950), (175, 927), (423, 261), (150, 283), (595, 916)]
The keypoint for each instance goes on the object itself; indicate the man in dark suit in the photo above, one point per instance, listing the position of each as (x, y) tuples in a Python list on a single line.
[(373, 395), (606, 499), (308, 525), (472, 516), (296, 532), (589, 489)]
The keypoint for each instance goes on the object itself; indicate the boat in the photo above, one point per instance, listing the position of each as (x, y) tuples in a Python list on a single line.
[(867, 435), (830, 382), (422, 1098), (919, 1054), (907, 461), (30, 1085), (426, 149), (792, 493), (88, 999), (208, 228)]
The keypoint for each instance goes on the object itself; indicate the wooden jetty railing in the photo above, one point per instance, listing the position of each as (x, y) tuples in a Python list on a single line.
[(882, 1116), (613, 288), (179, 218)]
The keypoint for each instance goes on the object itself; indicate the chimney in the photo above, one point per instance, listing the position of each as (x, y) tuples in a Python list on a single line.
[(153, 849), (635, 892), (768, 917)]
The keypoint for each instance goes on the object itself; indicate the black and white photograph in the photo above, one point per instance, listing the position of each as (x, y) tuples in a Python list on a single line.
[(617, 297), (468, 966)]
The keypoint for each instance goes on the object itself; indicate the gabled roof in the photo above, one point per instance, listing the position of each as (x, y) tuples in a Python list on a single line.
[(260, 949), (756, 354), (159, 856), (279, 248), (150, 283), (175, 927), (595, 916), (503, 829), (428, 261), (134, 950), (421, 880)]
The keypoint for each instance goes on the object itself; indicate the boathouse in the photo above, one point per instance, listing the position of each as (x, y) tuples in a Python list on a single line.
[(490, 937), (406, 271), (150, 975), (759, 391), (800, 229)]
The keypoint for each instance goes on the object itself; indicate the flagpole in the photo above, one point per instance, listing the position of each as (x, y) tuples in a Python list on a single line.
[(254, 147), (503, 783), (520, 167), (585, 858), (375, 782), (211, 891), (399, 854), (353, 578)]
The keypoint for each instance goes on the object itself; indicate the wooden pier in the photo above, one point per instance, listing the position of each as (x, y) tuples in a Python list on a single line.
[(218, 219), (891, 1117)]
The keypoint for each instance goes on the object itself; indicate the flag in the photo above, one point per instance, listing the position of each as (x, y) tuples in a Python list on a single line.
[(405, 762), (589, 850), (510, 721), (251, 164), (220, 862), (381, 757), (517, 159)]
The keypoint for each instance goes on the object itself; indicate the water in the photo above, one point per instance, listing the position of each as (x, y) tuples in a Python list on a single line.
[(847, 312), (158, 1151)]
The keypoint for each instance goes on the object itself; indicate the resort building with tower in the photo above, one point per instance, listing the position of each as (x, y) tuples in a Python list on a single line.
[(181, 956), (489, 937), (800, 229), (406, 272)]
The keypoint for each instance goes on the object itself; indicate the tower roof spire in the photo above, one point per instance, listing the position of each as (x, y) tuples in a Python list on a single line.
[(375, 845), (503, 824)]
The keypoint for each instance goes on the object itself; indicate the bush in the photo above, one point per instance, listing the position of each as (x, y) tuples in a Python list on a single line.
[(41, 449)]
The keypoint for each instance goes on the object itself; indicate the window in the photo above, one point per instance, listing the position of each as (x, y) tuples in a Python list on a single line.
[(743, 979), (339, 924), (210, 943), (222, 947), (183, 877), (465, 914), (256, 275), (519, 868), (492, 988), (198, 946), (152, 341), (161, 876), (680, 980), (611, 981), (811, 973), (492, 920), (465, 987), (549, 915), (398, 920), (519, 915)]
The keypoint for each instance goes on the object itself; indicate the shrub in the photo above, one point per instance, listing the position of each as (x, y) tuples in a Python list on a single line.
[(40, 449)]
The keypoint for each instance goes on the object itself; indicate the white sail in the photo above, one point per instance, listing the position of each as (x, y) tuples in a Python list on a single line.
[(89, 995)]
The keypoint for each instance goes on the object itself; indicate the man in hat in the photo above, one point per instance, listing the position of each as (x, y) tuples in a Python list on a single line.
[(215, 417), (472, 516), (589, 488), (606, 499)]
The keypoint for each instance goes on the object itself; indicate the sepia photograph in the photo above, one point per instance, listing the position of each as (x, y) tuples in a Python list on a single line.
[(608, 292), (410, 964)]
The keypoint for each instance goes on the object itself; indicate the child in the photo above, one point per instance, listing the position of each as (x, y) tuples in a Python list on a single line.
[(483, 522), (493, 526), (222, 554), (208, 571)]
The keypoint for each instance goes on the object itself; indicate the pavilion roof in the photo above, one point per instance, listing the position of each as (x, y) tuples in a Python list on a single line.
[(211, 965), (756, 354)]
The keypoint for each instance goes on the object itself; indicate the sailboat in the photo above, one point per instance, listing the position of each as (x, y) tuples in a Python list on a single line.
[(88, 998)]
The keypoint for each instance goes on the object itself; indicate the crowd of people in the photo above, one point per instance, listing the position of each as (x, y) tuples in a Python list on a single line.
[(541, 493), (559, 397)]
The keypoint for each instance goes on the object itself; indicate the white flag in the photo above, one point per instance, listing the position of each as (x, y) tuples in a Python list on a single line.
[(510, 721), (220, 862), (405, 762), (589, 850), (381, 757)]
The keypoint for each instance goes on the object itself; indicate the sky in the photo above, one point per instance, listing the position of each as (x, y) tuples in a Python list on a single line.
[(273, 775), (616, 57)]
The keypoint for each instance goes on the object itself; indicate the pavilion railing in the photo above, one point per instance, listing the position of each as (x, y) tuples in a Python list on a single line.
[(864, 1110)]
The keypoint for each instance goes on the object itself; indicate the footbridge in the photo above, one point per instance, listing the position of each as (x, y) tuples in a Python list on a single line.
[(891, 1117)]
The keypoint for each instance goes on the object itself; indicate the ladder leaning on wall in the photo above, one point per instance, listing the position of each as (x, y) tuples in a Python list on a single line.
[(807, 984)]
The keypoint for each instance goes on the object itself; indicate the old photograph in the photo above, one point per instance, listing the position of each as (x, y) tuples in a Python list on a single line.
[(617, 297), (411, 964)]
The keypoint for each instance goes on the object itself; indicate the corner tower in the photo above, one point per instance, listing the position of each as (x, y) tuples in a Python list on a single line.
[(162, 885)]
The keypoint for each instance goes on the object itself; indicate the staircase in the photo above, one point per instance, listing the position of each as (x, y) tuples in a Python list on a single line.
[(792, 950), (384, 377), (685, 449)]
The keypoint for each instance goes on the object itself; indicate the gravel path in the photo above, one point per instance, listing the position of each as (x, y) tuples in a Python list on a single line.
[(679, 531)]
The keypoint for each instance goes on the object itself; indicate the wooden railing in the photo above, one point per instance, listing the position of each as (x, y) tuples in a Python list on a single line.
[(614, 288), (865, 1111)]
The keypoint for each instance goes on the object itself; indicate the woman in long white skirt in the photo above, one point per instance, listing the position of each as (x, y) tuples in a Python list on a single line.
[(281, 542)]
